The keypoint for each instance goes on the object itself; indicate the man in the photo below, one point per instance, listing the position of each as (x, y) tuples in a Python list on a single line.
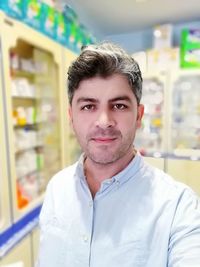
[(111, 209)]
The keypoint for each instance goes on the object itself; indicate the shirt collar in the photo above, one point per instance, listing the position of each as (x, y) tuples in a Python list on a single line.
[(131, 169)]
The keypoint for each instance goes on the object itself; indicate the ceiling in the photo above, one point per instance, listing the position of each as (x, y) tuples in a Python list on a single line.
[(110, 17)]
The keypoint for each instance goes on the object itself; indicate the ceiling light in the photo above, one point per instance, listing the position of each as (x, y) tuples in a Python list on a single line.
[(157, 33)]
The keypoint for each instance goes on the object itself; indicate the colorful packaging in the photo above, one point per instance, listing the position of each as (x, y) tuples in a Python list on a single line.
[(70, 30), (73, 36), (61, 28), (86, 36), (49, 20), (190, 48), (79, 39), (72, 25), (70, 13), (83, 38), (89, 39), (33, 13), (191, 38), (190, 58), (13, 8)]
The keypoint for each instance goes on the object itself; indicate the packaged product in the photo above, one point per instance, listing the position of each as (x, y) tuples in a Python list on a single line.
[(49, 20), (33, 13), (13, 8), (61, 28)]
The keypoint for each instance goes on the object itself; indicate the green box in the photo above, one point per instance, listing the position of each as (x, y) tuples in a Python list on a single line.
[(190, 48)]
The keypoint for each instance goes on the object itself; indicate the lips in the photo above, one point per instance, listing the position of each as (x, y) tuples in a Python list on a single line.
[(104, 136), (103, 139)]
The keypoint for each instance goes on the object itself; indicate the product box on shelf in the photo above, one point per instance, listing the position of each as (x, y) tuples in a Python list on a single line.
[(162, 36), (73, 29), (33, 13), (163, 59), (62, 26), (13, 8), (190, 48), (78, 39), (62, 29), (49, 20)]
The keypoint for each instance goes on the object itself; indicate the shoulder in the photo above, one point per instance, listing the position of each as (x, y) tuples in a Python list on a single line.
[(165, 185), (62, 180), (64, 175), (60, 187)]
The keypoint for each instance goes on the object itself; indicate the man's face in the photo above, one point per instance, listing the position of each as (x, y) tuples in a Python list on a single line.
[(105, 115)]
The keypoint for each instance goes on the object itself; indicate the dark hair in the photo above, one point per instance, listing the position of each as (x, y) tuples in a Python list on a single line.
[(104, 59)]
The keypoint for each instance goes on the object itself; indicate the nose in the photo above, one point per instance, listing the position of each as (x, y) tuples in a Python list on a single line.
[(105, 120)]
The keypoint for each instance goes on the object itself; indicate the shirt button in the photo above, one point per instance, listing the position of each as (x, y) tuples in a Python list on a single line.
[(85, 238), (118, 182), (91, 203)]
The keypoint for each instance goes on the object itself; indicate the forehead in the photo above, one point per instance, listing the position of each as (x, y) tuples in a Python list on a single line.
[(104, 89)]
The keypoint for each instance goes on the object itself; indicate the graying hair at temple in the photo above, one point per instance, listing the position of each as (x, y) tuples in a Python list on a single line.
[(104, 60)]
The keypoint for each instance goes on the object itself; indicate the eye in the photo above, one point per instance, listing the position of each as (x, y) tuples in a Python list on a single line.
[(120, 106), (88, 107)]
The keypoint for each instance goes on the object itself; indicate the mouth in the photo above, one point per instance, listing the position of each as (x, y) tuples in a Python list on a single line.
[(104, 140)]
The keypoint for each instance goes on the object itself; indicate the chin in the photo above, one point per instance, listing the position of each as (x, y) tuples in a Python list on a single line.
[(106, 159), (103, 161)]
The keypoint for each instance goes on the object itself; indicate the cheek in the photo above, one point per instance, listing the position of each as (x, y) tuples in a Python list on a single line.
[(80, 128), (128, 122), (82, 122)]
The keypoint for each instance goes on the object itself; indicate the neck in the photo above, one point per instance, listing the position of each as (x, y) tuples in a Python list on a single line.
[(96, 173)]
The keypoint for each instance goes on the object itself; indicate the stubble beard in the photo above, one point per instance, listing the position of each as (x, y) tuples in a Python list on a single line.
[(104, 155)]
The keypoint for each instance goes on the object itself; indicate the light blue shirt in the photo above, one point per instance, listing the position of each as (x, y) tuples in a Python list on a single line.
[(139, 218)]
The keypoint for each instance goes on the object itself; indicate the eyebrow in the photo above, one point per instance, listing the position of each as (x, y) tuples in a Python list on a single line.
[(94, 100), (120, 98), (87, 99)]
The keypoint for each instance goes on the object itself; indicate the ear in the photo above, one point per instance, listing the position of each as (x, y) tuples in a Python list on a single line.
[(140, 114)]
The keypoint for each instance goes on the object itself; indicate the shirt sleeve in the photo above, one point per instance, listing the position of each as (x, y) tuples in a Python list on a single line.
[(184, 243)]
